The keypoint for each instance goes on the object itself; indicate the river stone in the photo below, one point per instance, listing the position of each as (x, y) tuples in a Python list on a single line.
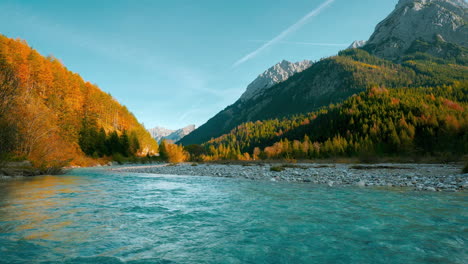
[(361, 183)]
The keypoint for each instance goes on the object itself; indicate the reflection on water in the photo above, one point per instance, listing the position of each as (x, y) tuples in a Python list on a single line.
[(32, 204), (96, 217)]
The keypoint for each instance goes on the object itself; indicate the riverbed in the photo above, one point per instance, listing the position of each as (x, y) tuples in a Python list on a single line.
[(421, 177)]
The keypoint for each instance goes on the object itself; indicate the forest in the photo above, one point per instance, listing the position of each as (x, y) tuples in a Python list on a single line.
[(46, 111), (415, 107), (334, 79), (425, 121)]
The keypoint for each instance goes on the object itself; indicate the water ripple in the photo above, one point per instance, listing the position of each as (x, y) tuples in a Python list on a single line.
[(94, 216)]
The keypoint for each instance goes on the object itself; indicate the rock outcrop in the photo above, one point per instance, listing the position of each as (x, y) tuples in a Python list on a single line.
[(357, 44), (424, 20), (274, 75), (160, 133)]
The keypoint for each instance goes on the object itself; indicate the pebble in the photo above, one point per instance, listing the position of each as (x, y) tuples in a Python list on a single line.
[(361, 183), (422, 177)]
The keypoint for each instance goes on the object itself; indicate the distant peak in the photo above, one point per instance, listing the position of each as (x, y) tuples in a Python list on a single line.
[(276, 74), (357, 44), (192, 127), (160, 133), (161, 128)]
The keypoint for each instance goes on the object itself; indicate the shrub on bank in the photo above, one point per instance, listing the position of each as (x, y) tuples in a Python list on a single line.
[(277, 168)]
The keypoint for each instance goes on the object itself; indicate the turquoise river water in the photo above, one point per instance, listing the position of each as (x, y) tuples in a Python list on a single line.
[(97, 216)]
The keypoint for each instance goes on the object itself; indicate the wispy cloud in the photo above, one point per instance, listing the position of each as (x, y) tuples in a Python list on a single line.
[(305, 43), (285, 33)]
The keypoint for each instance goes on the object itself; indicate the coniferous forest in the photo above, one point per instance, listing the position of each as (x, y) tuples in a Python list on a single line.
[(379, 122), (412, 107)]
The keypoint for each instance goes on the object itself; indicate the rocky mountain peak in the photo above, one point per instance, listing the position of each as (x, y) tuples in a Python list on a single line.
[(419, 3), (425, 20), (276, 74), (186, 130), (357, 44), (160, 133)]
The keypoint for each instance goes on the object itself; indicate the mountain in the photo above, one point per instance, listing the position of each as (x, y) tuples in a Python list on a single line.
[(401, 122), (180, 133), (377, 63), (276, 74), (160, 133), (420, 20), (51, 116), (357, 44)]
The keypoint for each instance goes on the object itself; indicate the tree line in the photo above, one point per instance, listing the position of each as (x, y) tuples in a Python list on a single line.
[(97, 143), (380, 122), (42, 108)]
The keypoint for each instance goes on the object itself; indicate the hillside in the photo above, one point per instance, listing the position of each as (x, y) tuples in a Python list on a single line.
[(160, 133), (380, 121), (274, 75), (329, 81), (421, 43), (419, 20), (50, 115)]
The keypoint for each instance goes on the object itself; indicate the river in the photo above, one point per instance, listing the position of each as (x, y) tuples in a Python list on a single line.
[(99, 216)]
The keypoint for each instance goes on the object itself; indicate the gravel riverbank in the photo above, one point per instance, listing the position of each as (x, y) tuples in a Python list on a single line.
[(428, 177)]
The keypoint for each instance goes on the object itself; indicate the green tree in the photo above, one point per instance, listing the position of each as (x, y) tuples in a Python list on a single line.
[(162, 150)]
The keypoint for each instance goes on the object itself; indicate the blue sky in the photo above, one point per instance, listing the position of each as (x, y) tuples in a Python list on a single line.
[(179, 62)]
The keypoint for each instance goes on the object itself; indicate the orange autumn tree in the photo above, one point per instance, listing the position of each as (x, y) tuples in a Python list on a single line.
[(47, 104), (172, 153)]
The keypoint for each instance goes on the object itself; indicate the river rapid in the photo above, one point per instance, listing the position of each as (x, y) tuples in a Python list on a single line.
[(101, 216)]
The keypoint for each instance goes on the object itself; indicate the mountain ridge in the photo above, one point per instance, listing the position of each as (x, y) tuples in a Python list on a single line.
[(160, 133), (334, 79), (413, 20), (357, 44), (280, 72)]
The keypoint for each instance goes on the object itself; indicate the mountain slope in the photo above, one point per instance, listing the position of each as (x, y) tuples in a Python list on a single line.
[(423, 121), (160, 133), (329, 81), (50, 108), (180, 133), (357, 44), (423, 20), (425, 59), (276, 74)]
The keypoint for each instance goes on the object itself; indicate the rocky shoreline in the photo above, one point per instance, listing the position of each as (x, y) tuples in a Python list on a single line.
[(18, 169), (422, 177), (26, 169)]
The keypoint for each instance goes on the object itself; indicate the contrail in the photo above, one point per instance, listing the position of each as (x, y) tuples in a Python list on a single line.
[(283, 34), (305, 43)]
